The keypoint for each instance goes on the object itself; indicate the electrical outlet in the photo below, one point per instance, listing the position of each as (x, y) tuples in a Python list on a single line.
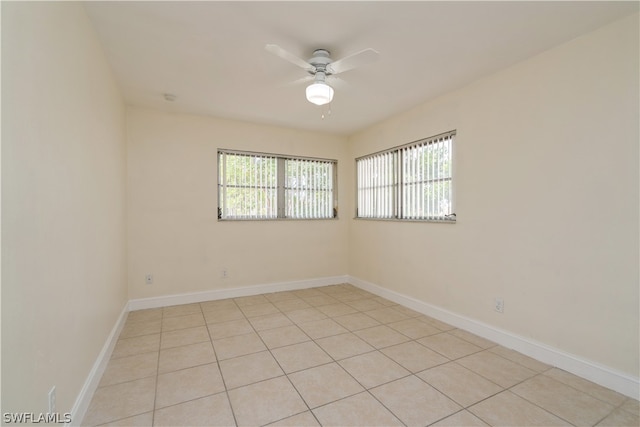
[(148, 279), (498, 304), (52, 400), (224, 273)]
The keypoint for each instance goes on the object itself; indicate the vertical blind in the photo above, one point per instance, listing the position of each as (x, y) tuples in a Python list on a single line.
[(412, 182), (247, 186), (377, 186), (309, 189), (267, 186)]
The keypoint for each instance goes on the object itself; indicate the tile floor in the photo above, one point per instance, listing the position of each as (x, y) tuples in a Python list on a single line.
[(331, 356)]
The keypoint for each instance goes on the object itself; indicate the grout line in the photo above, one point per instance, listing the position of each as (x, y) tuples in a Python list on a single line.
[(280, 366), (300, 296), (224, 384)]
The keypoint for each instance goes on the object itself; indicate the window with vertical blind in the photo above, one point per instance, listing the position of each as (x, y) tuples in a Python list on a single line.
[(260, 186), (410, 182)]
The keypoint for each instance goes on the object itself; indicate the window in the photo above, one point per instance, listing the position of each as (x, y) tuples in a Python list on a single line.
[(269, 186), (410, 182)]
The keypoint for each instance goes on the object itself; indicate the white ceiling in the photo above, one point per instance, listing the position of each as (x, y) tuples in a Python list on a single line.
[(211, 55)]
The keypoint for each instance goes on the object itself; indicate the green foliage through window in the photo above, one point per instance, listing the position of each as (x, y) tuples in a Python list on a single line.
[(411, 182), (269, 186)]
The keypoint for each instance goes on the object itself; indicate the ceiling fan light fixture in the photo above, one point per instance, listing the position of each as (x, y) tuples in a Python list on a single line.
[(319, 93)]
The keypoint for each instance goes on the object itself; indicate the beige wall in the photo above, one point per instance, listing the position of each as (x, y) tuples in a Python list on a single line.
[(63, 211), (547, 201), (173, 231)]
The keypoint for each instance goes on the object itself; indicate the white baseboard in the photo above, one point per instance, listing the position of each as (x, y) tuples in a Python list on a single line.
[(89, 387), (93, 379), (603, 375), (216, 294), (599, 374)]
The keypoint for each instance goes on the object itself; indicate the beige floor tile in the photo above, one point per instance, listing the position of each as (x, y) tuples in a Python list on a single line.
[(587, 386), (291, 305), (215, 305), (181, 310), (414, 401), (620, 418), (436, 323), (142, 420), (182, 322), (286, 335), (631, 405), (497, 369), (136, 345), (406, 311), (373, 369), (265, 402), (365, 304), (188, 384), (449, 346), (413, 356), (356, 321), (507, 409), (306, 293), (250, 300), (305, 419), (305, 315), (322, 328), (270, 321), (344, 345), (225, 314), (296, 357), (414, 328), (145, 327), (249, 369), (339, 309), (186, 356), (255, 310), (280, 296), (348, 296), (384, 301), (229, 329), (130, 368), (459, 383), (358, 410), (365, 294), (462, 418), (381, 336), (386, 315), (239, 345), (334, 290), (323, 384), (562, 400), (520, 358), (121, 401), (472, 338), (319, 300), (184, 337), (206, 411), (144, 315)]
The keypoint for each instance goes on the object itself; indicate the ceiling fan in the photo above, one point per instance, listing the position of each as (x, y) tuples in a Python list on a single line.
[(320, 66)]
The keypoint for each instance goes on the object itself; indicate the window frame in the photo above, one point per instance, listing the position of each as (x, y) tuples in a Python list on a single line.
[(281, 186), (397, 205)]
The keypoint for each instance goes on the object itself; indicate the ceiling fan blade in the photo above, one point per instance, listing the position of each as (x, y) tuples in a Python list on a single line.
[(337, 83), (278, 51), (350, 62), (306, 79)]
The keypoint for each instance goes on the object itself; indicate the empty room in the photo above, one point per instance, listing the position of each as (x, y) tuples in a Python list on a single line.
[(320, 213)]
